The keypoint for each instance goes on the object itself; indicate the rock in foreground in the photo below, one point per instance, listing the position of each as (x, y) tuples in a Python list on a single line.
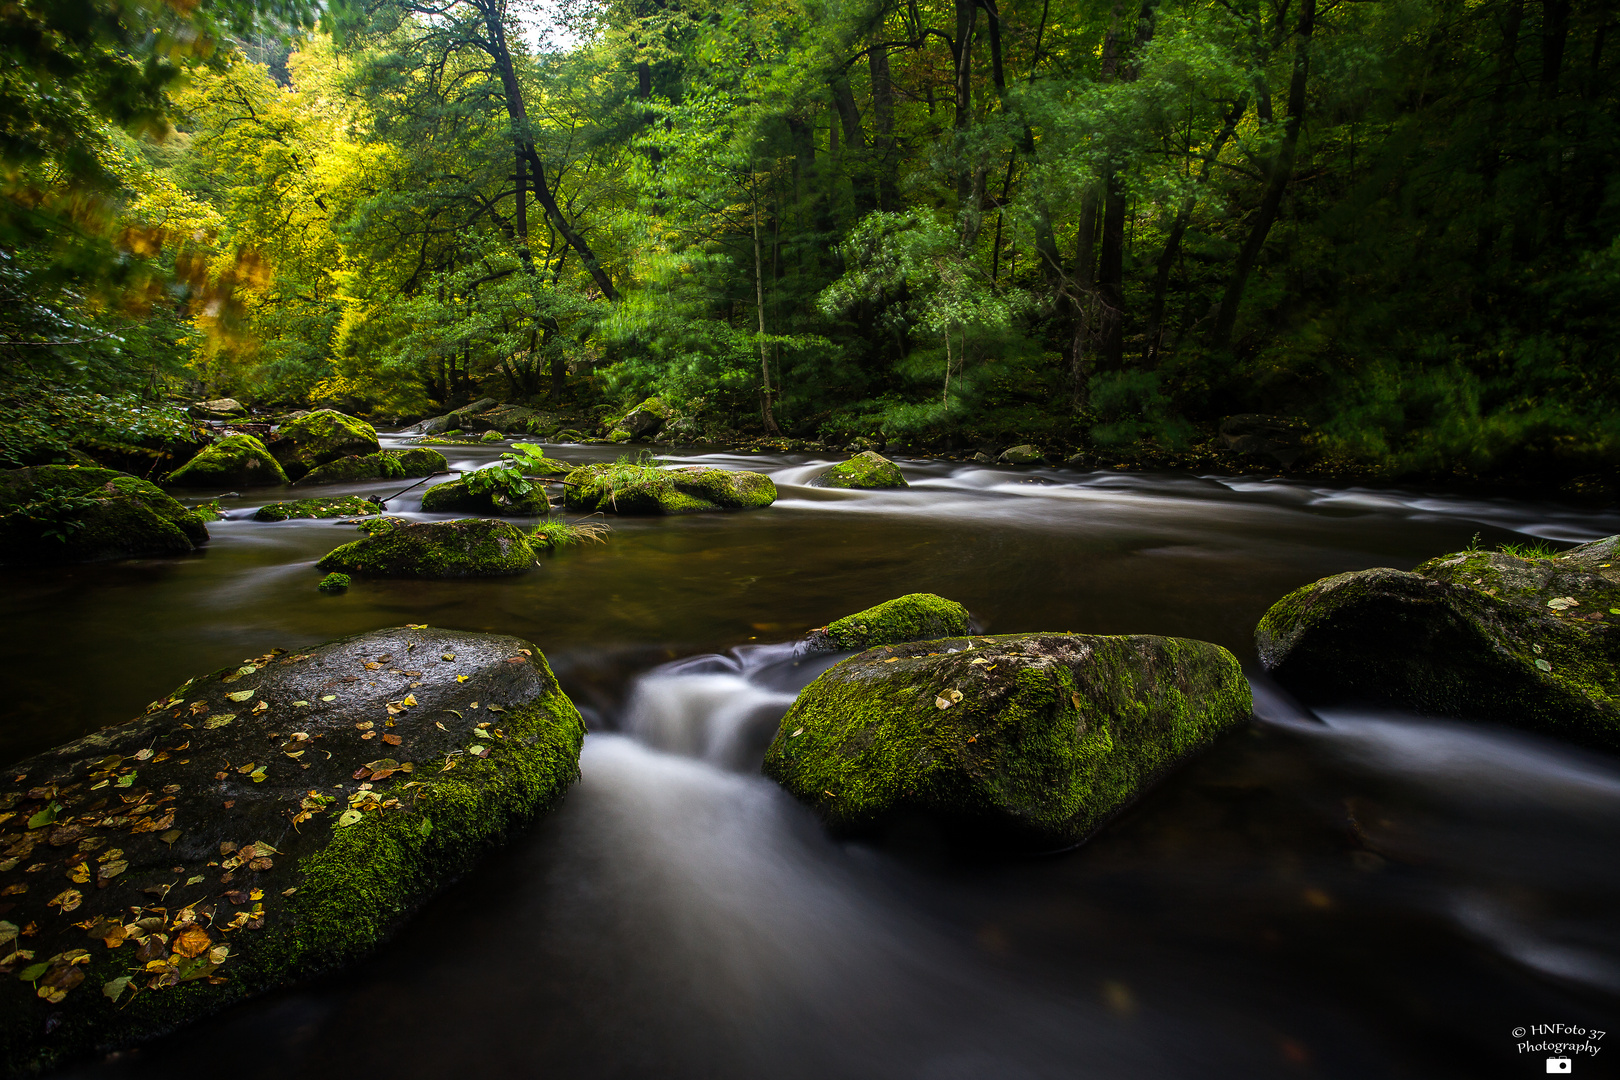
[(64, 513), (234, 461), (865, 470), (1533, 643), (645, 489), (913, 617), (471, 547), (260, 826), (1026, 740)]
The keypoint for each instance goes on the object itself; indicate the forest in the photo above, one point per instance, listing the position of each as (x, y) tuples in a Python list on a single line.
[(1095, 226)]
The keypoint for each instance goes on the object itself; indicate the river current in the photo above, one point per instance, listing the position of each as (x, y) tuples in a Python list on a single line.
[(1338, 893)]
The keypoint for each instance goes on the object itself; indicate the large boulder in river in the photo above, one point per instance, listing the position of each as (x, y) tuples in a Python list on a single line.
[(455, 497), (66, 513), (1025, 740), (346, 506), (913, 617), (234, 461), (645, 420), (260, 825), (867, 469), (324, 435), (383, 465), (471, 547), (646, 489), (1531, 642)]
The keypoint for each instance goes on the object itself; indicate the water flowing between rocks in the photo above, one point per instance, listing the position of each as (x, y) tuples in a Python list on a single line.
[(1337, 894)]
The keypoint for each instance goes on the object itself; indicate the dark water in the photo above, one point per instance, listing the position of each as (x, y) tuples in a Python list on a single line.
[(1342, 895)]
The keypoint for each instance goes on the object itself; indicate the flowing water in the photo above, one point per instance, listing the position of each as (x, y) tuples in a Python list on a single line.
[(1337, 894)]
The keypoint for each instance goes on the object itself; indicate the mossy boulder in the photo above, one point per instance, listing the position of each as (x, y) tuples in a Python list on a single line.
[(454, 497), (217, 409), (1023, 740), (646, 489), (234, 461), (913, 617), (67, 513), (347, 506), (1021, 455), (471, 547), (383, 465), (865, 470), (645, 420), (260, 825), (334, 583), (322, 436), (1530, 642)]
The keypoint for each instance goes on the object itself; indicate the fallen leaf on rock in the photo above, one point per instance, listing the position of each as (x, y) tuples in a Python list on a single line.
[(144, 755), (289, 892), (260, 864), (447, 656), (113, 988), (67, 900), (1543, 665), (263, 706), (948, 698), (392, 740), (33, 972), (242, 695), (79, 874), (219, 721), (329, 697), (193, 941), (365, 725), (348, 817)]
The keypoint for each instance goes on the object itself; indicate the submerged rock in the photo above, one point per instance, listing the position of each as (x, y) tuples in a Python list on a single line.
[(471, 547), (1032, 740), (383, 465), (322, 436), (1530, 642), (646, 489), (865, 470), (454, 497), (259, 826), (234, 461), (913, 617), (66, 513), (347, 506)]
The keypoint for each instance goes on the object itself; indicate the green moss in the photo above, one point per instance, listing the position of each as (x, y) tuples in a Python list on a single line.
[(913, 617), (626, 487), (64, 513), (322, 436), (234, 461), (1052, 733), (491, 436), (453, 497), (473, 547), (1489, 635), (334, 583), (864, 470), (346, 506)]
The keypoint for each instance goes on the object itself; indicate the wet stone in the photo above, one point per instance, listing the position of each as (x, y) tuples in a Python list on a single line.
[(258, 824)]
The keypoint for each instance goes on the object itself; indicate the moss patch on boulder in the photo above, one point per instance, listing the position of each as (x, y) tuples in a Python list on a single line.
[(304, 800), (347, 506), (1530, 642), (67, 513), (626, 488), (383, 465), (334, 583), (865, 470), (234, 461), (471, 547), (453, 497), (913, 617), (322, 436), (1033, 740)]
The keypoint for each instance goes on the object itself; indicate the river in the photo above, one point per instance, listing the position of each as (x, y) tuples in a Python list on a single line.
[(1330, 894)]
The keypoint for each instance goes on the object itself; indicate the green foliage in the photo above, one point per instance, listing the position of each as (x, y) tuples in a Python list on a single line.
[(41, 422), (556, 533), (508, 478)]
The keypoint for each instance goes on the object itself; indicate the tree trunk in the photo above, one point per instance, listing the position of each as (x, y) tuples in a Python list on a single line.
[(765, 392), (1279, 173), (882, 127)]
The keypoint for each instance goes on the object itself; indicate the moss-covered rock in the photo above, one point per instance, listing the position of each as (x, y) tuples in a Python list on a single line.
[(260, 825), (1032, 740), (334, 583), (454, 497), (383, 465), (644, 489), (913, 617), (67, 513), (1021, 455), (346, 506), (644, 421), (865, 470), (234, 461), (1534, 642), (322, 436), (471, 547)]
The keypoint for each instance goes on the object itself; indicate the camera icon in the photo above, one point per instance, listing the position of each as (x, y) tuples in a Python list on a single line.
[(1559, 1065)]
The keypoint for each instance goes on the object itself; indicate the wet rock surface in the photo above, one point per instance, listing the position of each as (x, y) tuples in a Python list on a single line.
[(259, 824), (235, 461), (336, 507), (690, 489), (322, 436), (471, 547), (1023, 740), (1529, 642), (66, 514), (454, 497), (383, 465)]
